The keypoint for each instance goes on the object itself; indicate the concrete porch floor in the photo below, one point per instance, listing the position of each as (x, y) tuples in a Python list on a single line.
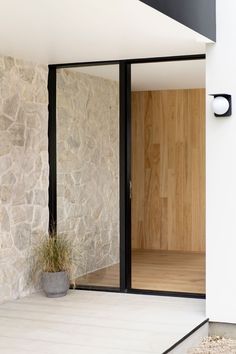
[(89, 322)]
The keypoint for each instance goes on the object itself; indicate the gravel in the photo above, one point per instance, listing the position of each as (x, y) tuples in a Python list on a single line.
[(215, 345)]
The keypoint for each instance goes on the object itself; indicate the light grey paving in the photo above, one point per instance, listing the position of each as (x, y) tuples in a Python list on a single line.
[(96, 322)]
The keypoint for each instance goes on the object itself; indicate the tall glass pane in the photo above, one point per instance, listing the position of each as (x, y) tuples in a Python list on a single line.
[(168, 176), (88, 170)]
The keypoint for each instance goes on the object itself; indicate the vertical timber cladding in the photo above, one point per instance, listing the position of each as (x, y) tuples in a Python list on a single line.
[(168, 170)]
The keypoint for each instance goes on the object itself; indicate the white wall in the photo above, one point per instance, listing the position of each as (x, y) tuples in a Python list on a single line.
[(221, 171)]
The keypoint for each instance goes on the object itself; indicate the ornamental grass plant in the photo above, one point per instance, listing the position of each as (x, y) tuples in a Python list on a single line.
[(54, 253)]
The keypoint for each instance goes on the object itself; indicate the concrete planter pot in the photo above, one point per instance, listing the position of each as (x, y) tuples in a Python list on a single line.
[(55, 284)]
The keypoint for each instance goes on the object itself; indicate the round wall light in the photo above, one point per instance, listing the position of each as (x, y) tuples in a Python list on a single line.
[(222, 105)]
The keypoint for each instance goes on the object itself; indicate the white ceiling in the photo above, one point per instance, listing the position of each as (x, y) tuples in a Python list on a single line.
[(168, 76), (155, 76), (56, 31)]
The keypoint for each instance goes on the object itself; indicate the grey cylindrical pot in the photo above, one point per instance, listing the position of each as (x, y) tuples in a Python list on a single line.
[(55, 284)]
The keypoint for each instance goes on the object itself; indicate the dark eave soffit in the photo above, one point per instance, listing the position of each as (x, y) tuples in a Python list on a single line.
[(199, 15)]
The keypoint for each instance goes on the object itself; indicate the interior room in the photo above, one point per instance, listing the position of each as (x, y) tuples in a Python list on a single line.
[(168, 176)]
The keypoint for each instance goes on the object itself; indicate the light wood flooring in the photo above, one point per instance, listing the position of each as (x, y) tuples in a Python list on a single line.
[(157, 270), (90, 322)]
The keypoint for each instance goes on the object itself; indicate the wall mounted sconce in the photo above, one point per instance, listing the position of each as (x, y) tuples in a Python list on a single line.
[(222, 105)]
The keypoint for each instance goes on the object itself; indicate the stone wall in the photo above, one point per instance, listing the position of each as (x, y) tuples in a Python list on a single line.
[(23, 172), (88, 167)]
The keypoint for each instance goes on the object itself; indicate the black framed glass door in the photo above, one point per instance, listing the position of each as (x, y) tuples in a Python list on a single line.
[(87, 169), (168, 176), (67, 149)]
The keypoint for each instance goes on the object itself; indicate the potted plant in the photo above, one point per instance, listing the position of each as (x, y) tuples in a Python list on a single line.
[(54, 256)]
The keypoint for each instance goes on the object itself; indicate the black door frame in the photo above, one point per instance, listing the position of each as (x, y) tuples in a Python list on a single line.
[(124, 164)]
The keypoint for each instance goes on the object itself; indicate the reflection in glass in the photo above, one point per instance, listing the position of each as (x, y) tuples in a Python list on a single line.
[(88, 170)]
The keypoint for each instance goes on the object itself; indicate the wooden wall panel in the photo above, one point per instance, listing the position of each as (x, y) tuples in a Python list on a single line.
[(168, 170)]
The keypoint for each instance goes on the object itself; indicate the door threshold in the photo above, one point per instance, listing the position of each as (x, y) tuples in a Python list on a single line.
[(140, 291)]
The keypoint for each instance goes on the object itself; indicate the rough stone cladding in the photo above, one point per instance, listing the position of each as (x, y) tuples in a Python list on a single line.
[(23, 172)]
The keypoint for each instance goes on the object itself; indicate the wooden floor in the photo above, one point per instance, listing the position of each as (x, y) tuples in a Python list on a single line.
[(88, 322), (156, 270)]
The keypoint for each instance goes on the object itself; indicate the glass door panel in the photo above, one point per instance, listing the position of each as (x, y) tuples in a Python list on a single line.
[(168, 176), (88, 170)]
